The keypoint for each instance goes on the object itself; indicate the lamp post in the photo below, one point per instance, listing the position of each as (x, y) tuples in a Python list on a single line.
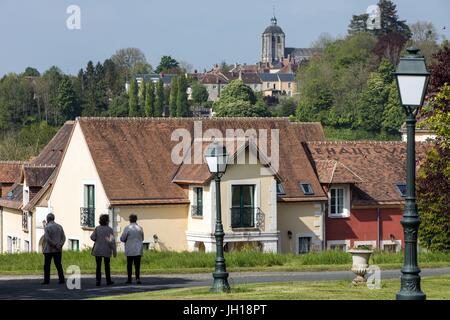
[(216, 157), (412, 80)]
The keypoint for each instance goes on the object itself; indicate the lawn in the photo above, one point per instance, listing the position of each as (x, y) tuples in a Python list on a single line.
[(355, 134), (437, 287), (192, 262)]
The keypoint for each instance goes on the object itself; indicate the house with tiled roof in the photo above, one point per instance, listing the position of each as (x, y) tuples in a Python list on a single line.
[(365, 182), (119, 166), (23, 208), (9, 171), (300, 195)]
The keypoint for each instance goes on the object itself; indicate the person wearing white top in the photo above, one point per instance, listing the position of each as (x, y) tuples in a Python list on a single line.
[(133, 237)]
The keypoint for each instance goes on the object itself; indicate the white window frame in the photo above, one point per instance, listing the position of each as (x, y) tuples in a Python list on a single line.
[(337, 243), (25, 249), (311, 235), (85, 183), (69, 243), (194, 202), (398, 244), (346, 203)]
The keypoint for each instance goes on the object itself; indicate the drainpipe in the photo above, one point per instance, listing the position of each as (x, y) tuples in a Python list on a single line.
[(1, 229), (379, 230), (324, 212)]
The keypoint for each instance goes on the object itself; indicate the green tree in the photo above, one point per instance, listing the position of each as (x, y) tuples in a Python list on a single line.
[(173, 97), (393, 114), (142, 97), (31, 72), (199, 93), (119, 106), (150, 100), (133, 100), (167, 64), (331, 83), (129, 62), (67, 101), (433, 183), (358, 24), (159, 99), (317, 102), (371, 104), (390, 21), (239, 100), (52, 77), (17, 106), (182, 102)]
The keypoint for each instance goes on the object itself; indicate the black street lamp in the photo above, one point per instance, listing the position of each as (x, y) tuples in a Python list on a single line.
[(216, 157), (412, 81)]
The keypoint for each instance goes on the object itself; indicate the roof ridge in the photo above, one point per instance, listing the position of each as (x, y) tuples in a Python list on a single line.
[(40, 166), (281, 119), (13, 162), (355, 141)]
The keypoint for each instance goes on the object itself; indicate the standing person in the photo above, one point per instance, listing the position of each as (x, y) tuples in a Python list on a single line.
[(104, 247), (54, 239), (133, 237)]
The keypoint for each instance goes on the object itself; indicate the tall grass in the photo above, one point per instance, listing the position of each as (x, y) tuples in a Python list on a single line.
[(167, 261)]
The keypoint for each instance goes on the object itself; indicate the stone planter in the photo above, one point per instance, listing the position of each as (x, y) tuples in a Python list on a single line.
[(360, 266)]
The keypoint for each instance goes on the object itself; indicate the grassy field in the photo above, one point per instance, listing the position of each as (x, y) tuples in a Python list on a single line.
[(192, 262), (435, 288), (349, 134)]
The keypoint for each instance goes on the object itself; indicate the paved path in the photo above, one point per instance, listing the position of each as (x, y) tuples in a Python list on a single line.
[(28, 287)]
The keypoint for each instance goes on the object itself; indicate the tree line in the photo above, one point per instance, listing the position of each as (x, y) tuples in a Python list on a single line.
[(351, 84)]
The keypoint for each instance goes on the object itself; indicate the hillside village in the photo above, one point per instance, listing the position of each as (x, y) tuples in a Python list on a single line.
[(112, 156)]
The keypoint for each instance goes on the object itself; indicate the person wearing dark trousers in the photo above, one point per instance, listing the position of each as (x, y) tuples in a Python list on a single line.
[(133, 237), (54, 239), (104, 247)]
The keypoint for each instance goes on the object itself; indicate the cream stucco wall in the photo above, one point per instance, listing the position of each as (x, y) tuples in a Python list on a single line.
[(168, 222), (12, 227), (303, 220), (66, 198), (204, 224), (248, 174)]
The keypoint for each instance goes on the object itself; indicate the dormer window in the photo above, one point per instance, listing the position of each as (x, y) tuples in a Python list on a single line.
[(280, 189), (306, 188), (339, 203), (401, 188)]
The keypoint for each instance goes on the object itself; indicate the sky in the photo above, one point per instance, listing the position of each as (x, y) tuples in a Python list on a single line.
[(200, 32)]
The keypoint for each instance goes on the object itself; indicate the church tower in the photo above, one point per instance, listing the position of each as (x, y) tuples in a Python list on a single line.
[(272, 43)]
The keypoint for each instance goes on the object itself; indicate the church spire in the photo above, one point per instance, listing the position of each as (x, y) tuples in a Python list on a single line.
[(274, 19)]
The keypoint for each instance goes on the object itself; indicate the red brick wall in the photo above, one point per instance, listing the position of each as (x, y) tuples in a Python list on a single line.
[(362, 225)]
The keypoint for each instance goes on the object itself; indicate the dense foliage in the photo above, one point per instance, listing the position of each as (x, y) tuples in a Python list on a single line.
[(239, 100), (350, 85)]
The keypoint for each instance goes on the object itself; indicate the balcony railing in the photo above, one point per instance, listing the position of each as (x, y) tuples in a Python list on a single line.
[(87, 217), (197, 211), (244, 217)]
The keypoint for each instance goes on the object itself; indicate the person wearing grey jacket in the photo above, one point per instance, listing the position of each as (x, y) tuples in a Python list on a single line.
[(54, 239), (133, 237), (104, 247)]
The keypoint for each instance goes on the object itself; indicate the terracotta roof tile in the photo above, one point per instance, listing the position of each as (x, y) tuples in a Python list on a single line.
[(9, 171), (378, 166), (37, 176), (133, 155)]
